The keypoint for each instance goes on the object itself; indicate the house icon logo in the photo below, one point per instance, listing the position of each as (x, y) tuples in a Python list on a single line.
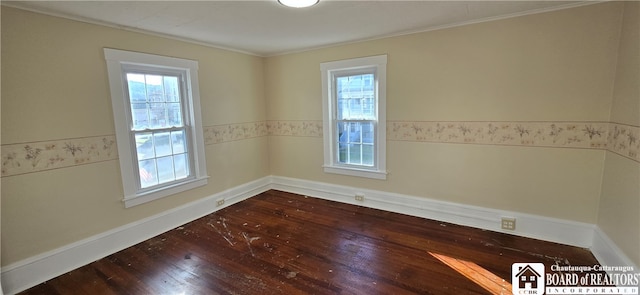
[(527, 278)]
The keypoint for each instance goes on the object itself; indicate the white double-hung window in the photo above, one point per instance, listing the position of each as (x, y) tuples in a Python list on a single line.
[(354, 104), (156, 108)]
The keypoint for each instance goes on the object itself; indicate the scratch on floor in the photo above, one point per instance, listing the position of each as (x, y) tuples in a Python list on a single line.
[(554, 258), (227, 236), (224, 224), (487, 244), (249, 240)]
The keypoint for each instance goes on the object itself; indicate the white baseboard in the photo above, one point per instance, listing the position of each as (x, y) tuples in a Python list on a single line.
[(27, 273), (607, 252), (532, 226)]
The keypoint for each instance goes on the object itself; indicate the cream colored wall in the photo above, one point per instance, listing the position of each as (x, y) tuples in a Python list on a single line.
[(555, 66), (56, 89), (626, 95), (619, 210)]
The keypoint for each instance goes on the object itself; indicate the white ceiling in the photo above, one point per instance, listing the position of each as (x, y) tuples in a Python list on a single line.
[(267, 28)]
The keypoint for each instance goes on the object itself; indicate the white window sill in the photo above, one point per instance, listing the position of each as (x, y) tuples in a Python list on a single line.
[(149, 196), (375, 174)]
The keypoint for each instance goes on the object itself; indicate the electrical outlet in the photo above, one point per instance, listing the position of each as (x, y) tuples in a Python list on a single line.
[(360, 197), (508, 223), (220, 202)]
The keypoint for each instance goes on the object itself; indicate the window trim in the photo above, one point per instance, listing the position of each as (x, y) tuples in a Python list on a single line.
[(117, 62), (329, 70)]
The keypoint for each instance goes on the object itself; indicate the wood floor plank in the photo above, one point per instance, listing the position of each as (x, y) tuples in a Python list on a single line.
[(283, 243)]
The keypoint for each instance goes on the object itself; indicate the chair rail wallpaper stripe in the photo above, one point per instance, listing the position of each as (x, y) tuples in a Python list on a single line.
[(622, 139)]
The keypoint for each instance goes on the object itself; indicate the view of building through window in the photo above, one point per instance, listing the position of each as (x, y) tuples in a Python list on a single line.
[(356, 115), (159, 129)]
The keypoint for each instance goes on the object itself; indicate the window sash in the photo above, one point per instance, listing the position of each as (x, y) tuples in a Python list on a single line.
[(186, 149), (363, 96), (347, 141), (179, 95)]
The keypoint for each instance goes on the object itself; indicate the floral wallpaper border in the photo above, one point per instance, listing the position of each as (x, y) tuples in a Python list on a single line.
[(618, 138), (621, 139), (232, 132), (540, 134), (302, 128), (31, 157), (624, 140)]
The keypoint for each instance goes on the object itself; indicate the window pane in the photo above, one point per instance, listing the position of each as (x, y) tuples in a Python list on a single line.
[(367, 132), (355, 154), (140, 116), (162, 143), (165, 169), (137, 89), (158, 115), (368, 108), (343, 109), (181, 167), (171, 90), (144, 146), (155, 91), (177, 141), (174, 113), (367, 155), (148, 174), (349, 134)]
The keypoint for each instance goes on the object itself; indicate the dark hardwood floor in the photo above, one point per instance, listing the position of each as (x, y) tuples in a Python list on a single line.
[(282, 243)]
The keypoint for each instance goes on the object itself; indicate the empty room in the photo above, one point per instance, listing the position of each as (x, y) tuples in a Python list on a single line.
[(347, 147)]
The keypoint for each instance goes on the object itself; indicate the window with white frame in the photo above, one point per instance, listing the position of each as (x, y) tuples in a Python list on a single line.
[(156, 106), (354, 105)]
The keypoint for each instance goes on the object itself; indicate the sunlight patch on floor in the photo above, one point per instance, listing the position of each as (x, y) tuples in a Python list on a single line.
[(484, 278)]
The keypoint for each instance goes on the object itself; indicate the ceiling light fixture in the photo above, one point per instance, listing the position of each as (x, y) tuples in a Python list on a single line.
[(298, 3)]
